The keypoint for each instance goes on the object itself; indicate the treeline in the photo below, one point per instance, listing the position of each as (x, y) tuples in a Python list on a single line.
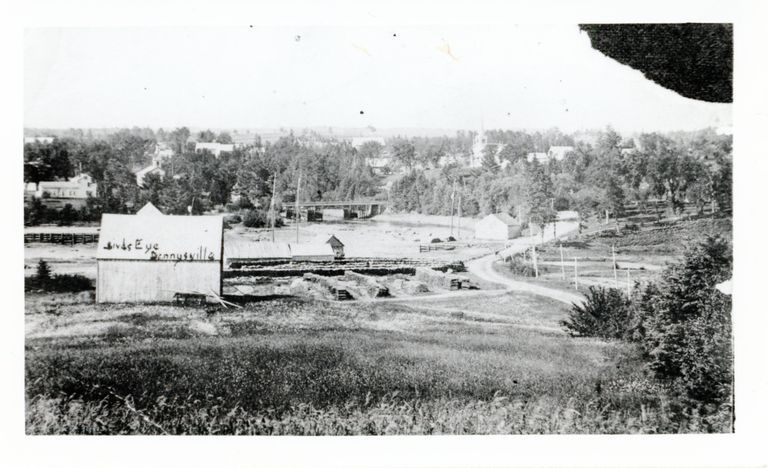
[(681, 324), (594, 179), (329, 169)]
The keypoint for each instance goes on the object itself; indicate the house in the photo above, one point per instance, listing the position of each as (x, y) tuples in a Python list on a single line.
[(41, 140), (497, 226), (152, 257), (559, 152), (337, 246), (74, 191), (153, 168), (162, 152), (312, 253), (567, 215), (541, 158), (256, 253), (215, 148)]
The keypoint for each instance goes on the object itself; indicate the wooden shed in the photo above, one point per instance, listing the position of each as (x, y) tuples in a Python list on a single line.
[(151, 257), (337, 246), (312, 253), (497, 226)]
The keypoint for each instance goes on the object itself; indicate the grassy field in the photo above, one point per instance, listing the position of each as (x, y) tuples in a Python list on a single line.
[(495, 366)]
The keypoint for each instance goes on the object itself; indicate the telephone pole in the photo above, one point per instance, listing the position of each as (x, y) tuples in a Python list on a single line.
[(298, 213), (272, 204)]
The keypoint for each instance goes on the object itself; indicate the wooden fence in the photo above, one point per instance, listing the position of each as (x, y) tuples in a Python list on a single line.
[(61, 238)]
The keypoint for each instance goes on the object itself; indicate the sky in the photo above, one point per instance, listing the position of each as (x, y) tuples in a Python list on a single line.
[(455, 77)]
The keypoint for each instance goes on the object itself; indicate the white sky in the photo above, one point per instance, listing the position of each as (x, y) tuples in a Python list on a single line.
[(503, 77)]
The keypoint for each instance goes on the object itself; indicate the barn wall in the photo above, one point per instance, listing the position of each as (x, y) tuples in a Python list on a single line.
[(152, 281), (491, 229)]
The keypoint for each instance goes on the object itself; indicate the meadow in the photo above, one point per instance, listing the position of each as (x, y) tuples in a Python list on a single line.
[(297, 367)]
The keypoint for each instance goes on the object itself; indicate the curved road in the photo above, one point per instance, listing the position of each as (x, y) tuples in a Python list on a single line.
[(483, 267)]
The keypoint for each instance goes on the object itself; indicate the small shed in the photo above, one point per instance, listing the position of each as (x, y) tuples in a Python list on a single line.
[(312, 253), (337, 246), (497, 226), (151, 257), (244, 252), (334, 214)]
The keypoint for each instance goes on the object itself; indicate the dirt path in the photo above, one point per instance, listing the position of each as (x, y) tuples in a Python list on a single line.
[(483, 267)]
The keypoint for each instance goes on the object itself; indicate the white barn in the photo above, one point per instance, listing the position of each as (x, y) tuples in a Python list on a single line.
[(149, 257), (497, 226)]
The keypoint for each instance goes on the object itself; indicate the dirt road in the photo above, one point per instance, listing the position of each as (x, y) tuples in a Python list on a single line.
[(483, 267)]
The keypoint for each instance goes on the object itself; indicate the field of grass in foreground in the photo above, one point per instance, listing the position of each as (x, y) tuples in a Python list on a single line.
[(293, 367)]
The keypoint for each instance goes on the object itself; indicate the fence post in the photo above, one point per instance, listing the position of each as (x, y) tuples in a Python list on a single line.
[(562, 261), (535, 264), (629, 291), (576, 272), (615, 273)]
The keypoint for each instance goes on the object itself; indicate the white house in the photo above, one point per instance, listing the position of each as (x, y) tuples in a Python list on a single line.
[(497, 226), (43, 140), (542, 158), (74, 191), (559, 152), (215, 148), (153, 168)]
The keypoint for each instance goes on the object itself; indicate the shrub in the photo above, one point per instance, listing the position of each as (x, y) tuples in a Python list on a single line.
[(58, 283), (43, 271), (255, 219), (518, 266), (605, 313), (436, 240), (451, 239), (686, 323)]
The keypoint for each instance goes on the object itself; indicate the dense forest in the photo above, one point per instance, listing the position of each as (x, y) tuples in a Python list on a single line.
[(597, 178)]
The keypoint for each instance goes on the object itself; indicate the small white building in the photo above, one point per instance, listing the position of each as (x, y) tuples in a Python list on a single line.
[(215, 148), (153, 168), (541, 158), (559, 152), (37, 139), (497, 226)]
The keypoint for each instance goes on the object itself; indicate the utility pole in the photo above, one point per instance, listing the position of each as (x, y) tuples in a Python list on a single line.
[(576, 273), (535, 263), (272, 204), (458, 220), (615, 273), (562, 261), (629, 290), (453, 195), (298, 213)]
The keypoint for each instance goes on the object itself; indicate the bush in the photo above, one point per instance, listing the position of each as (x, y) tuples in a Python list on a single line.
[(436, 240), (686, 323), (518, 266), (43, 271), (451, 239), (58, 283), (605, 313), (255, 219)]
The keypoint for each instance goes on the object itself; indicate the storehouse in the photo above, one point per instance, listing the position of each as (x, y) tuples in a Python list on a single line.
[(312, 253), (337, 246), (497, 226), (151, 257)]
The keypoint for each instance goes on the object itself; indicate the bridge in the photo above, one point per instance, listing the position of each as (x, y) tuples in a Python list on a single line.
[(352, 208)]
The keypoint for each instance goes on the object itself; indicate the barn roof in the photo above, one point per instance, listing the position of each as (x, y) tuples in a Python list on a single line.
[(256, 250), (150, 235), (311, 250)]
